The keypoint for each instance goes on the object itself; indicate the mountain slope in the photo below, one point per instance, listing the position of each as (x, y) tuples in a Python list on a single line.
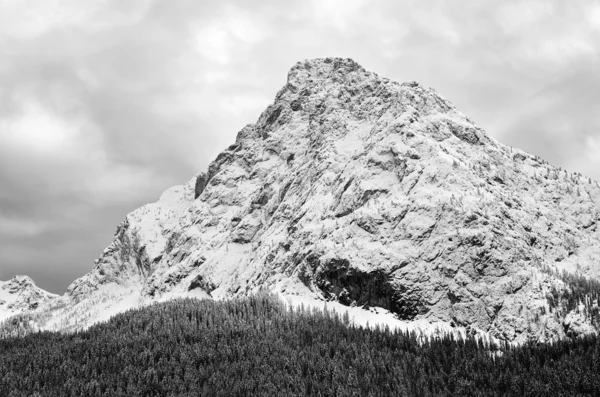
[(359, 190), (255, 347), (19, 295)]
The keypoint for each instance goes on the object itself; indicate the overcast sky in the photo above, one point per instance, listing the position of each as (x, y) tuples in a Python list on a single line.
[(104, 104)]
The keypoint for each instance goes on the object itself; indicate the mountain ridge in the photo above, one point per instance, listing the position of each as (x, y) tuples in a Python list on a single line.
[(367, 193), (20, 294)]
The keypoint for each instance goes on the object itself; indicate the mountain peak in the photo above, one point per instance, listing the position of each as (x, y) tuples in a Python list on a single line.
[(18, 283), (325, 89), (20, 294), (336, 68), (323, 67), (378, 197), (21, 280)]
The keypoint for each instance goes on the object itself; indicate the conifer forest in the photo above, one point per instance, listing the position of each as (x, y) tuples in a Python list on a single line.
[(259, 346)]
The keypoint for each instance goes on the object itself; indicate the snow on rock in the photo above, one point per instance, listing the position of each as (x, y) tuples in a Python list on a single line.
[(366, 193), (19, 295)]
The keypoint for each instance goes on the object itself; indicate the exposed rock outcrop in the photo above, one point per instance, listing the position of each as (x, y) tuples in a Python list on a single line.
[(20, 295), (201, 181)]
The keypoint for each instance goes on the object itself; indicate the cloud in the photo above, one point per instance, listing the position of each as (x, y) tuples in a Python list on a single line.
[(594, 17), (343, 15), (560, 121), (104, 104), (20, 228), (35, 128), (216, 40)]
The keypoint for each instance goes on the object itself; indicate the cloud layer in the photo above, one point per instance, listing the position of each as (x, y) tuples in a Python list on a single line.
[(104, 104)]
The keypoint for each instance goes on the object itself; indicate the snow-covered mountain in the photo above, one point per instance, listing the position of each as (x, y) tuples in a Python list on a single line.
[(363, 192), (19, 295)]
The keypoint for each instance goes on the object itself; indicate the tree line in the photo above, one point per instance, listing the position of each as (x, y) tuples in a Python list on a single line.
[(258, 346)]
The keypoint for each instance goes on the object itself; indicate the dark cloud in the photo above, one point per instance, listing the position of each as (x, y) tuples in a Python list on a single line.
[(105, 104)]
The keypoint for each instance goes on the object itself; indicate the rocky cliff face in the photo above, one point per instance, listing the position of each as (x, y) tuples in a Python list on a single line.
[(20, 295), (356, 189)]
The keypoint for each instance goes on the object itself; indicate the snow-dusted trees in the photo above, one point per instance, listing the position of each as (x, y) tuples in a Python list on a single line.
[(259, 347)]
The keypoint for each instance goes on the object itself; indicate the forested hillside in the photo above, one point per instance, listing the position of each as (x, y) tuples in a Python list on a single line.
[(258, 347)]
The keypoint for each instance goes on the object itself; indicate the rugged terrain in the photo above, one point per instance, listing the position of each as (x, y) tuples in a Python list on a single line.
[(19, 295), (355, 189)]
